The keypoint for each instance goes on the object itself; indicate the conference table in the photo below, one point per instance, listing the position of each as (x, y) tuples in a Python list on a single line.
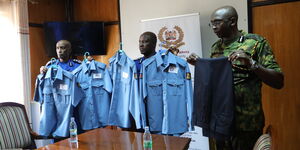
[(109, 139)]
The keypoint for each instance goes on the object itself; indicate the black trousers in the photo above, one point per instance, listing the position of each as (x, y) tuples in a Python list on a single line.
[(213, 108)]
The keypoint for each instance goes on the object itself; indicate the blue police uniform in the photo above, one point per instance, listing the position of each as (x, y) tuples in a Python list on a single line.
[(166, 92), (70, 65), (125, 98), (94, 79), (58, 94)]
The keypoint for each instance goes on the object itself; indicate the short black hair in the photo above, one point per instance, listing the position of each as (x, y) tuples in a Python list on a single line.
[(151, 35)]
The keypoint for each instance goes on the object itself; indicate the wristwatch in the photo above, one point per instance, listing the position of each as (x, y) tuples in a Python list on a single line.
[(254, 65)]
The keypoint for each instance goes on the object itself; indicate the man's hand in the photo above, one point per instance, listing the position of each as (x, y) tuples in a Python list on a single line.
[(192, 59), (43, 69), (90, 58), (241, 56)]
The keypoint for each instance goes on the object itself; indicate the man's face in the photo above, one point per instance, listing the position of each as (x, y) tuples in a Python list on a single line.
[(63, 50), (220, 25), (146, 45)]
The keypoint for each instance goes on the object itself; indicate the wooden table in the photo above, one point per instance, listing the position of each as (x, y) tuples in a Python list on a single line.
[(108, 139)]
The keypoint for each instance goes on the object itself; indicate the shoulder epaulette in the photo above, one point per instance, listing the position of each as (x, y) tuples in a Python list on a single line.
[(50, 62), (76, 61), (76, 70), (181, 61), (254, 37), (100, 65)]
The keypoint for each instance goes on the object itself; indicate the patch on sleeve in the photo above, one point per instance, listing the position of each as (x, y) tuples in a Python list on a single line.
[(141, 76), (135, 75), (188, 76)]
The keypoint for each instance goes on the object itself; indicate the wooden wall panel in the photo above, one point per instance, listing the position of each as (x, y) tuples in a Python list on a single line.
[(280, 24), (37, 53), (96, 10), (46, 10)]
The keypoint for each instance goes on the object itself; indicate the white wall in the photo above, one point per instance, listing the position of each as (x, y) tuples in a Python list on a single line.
[(133, 11)]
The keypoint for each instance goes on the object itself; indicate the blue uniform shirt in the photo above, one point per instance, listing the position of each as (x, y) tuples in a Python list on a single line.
[(166, 91), (70, 65), (58, 94), (125, 98), (95, 80)]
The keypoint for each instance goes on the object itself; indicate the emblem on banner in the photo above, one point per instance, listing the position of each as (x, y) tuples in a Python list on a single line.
[(171, 38)]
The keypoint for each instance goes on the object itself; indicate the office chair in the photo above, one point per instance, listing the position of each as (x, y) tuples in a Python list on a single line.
[(15, 131)]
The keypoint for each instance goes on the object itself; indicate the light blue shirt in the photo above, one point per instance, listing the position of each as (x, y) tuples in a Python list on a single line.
[(125, 98), (166, 91), (58, 94), (94, 79)]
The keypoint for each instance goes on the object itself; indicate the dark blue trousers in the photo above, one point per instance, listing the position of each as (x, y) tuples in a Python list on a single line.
[(213, 108)]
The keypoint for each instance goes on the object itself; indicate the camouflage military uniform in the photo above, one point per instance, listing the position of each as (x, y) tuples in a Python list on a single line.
[(249, 115)]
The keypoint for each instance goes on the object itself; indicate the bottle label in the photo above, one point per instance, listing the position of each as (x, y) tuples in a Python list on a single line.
[(147, 144), (73, 131)]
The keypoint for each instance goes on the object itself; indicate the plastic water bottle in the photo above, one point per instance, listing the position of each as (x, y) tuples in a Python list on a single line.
[(73, 131), (147, 139)]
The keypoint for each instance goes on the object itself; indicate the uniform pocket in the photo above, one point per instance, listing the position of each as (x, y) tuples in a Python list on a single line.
[(155, 88), (63, 96), (84, 85), (48, 95), (98, 87), (175, 87)]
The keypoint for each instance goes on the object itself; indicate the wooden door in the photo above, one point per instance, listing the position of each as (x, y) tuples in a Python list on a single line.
[(280, 24)]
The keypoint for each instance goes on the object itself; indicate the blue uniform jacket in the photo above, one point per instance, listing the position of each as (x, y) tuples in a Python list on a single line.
[(166, 92), (94, 79), (125, 97), (58, 94)]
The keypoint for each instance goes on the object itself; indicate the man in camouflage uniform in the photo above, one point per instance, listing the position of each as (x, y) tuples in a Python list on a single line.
[(253, 62)]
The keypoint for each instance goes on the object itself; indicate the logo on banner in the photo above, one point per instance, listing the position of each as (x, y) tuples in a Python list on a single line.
[(171, 38)]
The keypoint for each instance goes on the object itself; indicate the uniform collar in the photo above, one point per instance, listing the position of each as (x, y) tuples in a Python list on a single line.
[(91, 66), (58, 75), (119, 58), (68, 62), (155, 57), (171, 59)]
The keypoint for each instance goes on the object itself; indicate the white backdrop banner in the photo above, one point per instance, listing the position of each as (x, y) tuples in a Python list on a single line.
[(181, 32)]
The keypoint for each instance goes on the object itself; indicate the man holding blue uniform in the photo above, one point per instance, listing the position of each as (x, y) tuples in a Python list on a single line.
[(63, 51)]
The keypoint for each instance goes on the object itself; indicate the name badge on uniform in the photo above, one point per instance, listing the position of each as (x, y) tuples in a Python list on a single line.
[(63, 87), (97, 75), (188, 76), (173, 69), (125, 75)]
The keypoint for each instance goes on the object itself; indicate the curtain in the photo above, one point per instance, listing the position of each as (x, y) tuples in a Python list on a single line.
[(15, 52)]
